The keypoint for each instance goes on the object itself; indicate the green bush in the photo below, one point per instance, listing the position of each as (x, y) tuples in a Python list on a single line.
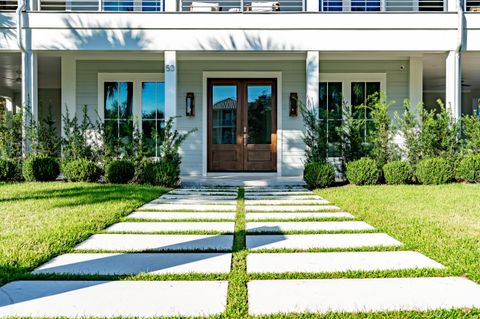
[(468, 169), (81, 170), (41, 168), (319, 174), (434, 171), (162, 173), (8, 171), (119, 171), (364, 171), (398, 172)]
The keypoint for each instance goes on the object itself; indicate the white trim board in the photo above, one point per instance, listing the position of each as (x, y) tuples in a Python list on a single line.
[(245, 75)]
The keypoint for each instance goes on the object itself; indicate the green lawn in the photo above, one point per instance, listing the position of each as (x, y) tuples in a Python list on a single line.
[(442, 222), (41, 220)]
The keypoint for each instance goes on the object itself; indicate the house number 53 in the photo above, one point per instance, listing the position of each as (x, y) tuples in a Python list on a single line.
[(169, 67)]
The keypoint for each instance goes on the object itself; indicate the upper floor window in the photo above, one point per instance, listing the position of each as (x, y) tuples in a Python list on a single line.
[(132, 5), (351, 5)]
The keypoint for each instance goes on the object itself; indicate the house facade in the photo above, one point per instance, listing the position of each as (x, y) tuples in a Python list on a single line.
[(235, 70)]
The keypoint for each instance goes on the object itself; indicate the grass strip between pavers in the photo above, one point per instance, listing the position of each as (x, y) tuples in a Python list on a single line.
[(237, 297)]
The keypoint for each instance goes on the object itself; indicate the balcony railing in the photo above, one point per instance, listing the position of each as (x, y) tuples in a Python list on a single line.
[(381, 5), (243, 5), (101, 5)]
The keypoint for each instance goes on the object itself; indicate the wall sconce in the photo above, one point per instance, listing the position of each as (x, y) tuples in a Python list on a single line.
[(190, 104), (293, 109)]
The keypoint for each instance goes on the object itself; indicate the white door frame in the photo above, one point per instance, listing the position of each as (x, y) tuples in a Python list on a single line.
[(239, 75)]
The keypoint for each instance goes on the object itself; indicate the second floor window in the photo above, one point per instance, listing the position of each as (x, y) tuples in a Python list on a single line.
[(351, 5)]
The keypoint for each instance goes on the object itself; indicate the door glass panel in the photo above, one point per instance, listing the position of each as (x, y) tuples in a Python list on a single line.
[(259, 99), (224, 114), (153, 115)]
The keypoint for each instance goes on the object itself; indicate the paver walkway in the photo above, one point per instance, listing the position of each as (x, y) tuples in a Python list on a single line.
[(190, 232)]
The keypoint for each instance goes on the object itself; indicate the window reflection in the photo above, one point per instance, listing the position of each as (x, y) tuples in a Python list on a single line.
[(259, 114), (224, 114), (153, 115)]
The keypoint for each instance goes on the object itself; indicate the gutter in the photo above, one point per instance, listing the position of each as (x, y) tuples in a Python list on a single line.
[(458, 60), (19, 10)]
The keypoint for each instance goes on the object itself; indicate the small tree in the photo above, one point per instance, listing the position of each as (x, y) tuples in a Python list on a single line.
[(471, 133), (351, 134), (409, 126), (315, 134), (439, 134), (76, 134), (11, 136), (381, 137), (42, 135)]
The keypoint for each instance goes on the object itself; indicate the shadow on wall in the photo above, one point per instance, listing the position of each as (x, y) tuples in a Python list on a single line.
[(87, 37), (244, 41), (8, 35)]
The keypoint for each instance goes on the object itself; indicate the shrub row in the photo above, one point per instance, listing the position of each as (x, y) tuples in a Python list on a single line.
[(429, 171)]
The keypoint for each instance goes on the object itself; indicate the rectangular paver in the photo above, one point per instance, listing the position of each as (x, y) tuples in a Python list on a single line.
[(150, 227), (283, 216), (259, 227), (188, 207), (140, 242), (275, 189), (208, 189), (182, 215), (196, 197), (361, 295), (202, 193), (278, 197), (323, 241), (112, 298), (285, 208), (202, 201), (286, 202), (338, 261), (132, 264)]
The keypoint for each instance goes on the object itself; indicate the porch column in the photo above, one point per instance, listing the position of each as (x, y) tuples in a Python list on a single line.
[(171, 5), (312, 70), (30, 83), (68, 79), (29, 98), (170, 84), (311, 5), (415, 81), (451, 5), (453, 89)]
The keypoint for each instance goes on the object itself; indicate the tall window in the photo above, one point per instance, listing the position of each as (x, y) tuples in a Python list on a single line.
[(360, 93), (330, 100), (153, 115), (118, 112), (341, 91), (133, 103)]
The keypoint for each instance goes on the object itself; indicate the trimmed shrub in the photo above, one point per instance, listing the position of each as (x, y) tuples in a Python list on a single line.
[(119, 171), (319, 174), (8, 171), (162, 173), (364, 171), (398, 172), (81, 170), (434, 171), (41, 168), (468, 169)]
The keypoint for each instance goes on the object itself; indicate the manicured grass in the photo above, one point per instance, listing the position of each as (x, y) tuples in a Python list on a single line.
[(41, 220), (442, 222)]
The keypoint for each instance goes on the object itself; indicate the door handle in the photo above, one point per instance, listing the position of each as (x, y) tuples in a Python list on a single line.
[(244, 136)]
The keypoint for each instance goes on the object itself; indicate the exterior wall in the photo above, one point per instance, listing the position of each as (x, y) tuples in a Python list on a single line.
[(190, 79), (87, 72), (397, 79)]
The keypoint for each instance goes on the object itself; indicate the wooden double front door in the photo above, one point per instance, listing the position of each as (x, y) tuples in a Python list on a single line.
[(242, 125)]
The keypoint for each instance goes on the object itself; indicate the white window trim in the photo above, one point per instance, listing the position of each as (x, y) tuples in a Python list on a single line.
[(137, 79)]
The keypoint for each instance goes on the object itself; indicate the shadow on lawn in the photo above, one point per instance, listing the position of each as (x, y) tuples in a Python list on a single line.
[(87, 194)]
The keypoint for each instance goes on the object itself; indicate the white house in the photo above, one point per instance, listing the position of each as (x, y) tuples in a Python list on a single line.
[(231, 68)]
